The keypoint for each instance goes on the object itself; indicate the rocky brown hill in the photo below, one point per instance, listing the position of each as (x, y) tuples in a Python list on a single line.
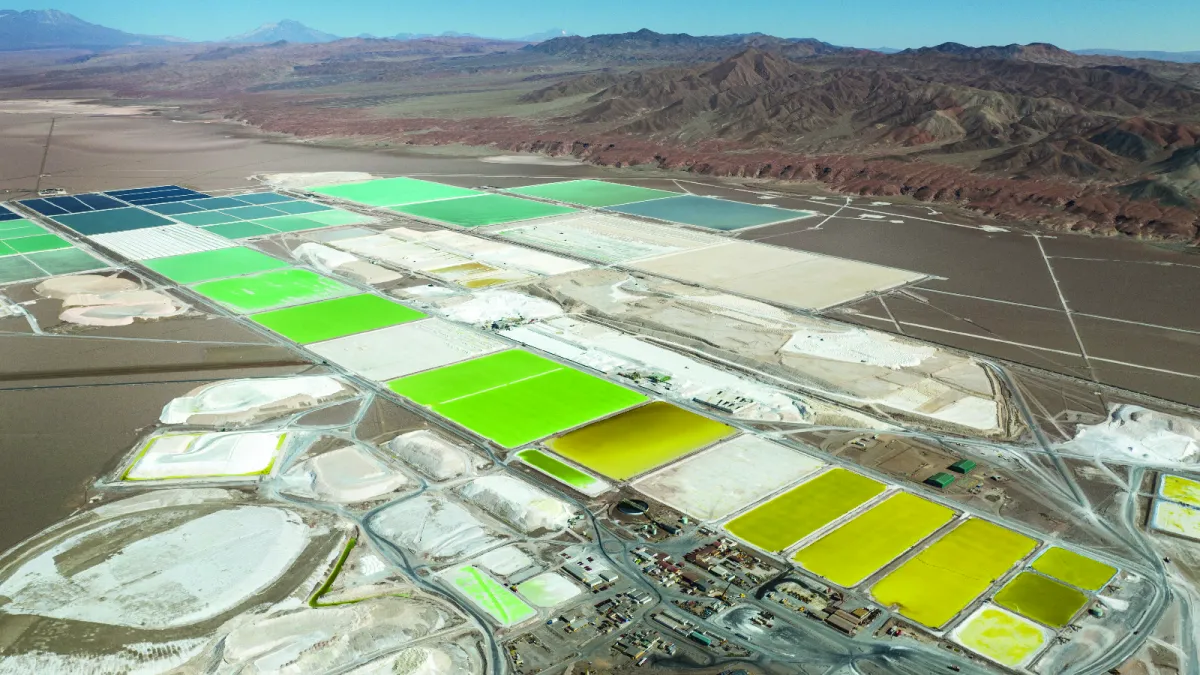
[(648, 46), (1033, 113), (904, 99)]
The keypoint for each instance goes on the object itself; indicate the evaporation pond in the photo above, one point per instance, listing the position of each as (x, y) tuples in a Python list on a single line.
[(299, 207), (1002, 636), (206, 455), (490, 209), (392, 191), (732, 475), (336, 318), (41, 242), (1041, 599), (288, 223), (806, 508), (262, 198), (408, 348), (116, 220), (592, 192), (226, 262), (862, 546), (716, 214), (641, 439), (605, 238), (1074, 569), (268, 290), (338, 217), (240, 230), (1177, 518), (490, 595), (560, 470), (65, 261), (935, 585), (17, 268), (549, 590), (1180, 489), (514, 397)]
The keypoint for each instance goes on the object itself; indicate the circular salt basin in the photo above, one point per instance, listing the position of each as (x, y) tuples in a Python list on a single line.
[(118, 309), (156, 570), (64, 287)]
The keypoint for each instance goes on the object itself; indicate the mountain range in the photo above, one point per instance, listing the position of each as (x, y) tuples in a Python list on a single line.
[(646, 46), (1029, 132), (532, 37), (1179, 57), (49, 29), (53, 29)]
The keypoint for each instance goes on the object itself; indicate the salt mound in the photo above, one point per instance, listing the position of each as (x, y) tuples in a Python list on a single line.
[(429, 292), (1115, 604), (434, 528), (330, 639), (489, 307), (323, 257), (858, 345), (245, 401), (518, 503), (414, 661), (316, 178), (348, 475), (419, 661), (431, 454), (368, 273), (330, 260), (1135, 432), (531, 160)]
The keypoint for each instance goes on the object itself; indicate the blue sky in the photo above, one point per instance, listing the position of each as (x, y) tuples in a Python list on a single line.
[(1074, 24)]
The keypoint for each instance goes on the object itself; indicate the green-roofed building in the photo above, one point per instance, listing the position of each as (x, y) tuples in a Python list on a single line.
[(963, 466), (940, 480)]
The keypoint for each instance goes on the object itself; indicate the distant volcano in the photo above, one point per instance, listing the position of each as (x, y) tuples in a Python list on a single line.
[(50, 28), (291, 31)]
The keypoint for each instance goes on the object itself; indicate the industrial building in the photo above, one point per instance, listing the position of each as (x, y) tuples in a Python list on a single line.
[(940, 480), (963, 466)]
